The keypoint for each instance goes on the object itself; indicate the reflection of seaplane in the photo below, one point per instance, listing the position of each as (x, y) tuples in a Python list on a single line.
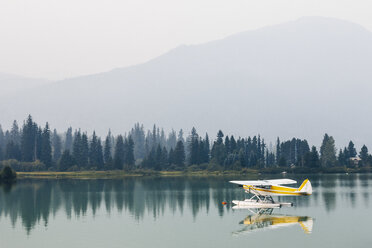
[(264, 220), (263, 190)]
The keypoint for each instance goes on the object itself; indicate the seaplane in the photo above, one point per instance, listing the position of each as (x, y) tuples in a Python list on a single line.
[(264, 190)]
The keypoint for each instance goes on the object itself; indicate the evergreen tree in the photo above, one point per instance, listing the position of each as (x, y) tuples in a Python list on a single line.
[(172, 140), (93, 151), (363, 154), (278, 152), (46, 149), (180, 136), (351, 149), (227, 144), (328, 152), (282, 162), (220, 137), (218, 150), (68, 139), (194, 147), (206, 149), (232, 144), (107, 151), (129, 153), (179, 154), (84, 150), (341, 158), (2, 137), (171, 159), (12, 151), (57, 146), (15, 135), (99, 156), (158, 158), (28, 141), (138, 135), (119, 153), (312, 158), (76, 149), (66, 161), (39, 143)]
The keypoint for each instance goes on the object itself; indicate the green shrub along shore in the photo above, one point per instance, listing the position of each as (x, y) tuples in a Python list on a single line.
[(35, 150)]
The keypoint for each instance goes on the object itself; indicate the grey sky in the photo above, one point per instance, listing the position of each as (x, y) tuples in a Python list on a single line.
[(57, 39)]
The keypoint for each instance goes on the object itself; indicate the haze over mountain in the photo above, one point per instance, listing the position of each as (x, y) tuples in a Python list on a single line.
[(301, 78), (11, 83)]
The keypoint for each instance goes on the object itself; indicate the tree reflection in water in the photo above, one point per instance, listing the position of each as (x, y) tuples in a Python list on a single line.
[(33, 201)]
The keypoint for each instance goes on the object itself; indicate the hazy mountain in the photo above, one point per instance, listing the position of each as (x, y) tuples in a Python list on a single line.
[(10, 84), (301, 78)]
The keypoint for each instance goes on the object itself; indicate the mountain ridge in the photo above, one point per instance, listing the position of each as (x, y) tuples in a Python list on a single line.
[(308, 76)]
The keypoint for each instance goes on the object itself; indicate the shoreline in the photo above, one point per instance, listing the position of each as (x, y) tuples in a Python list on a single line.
[(118, 174)]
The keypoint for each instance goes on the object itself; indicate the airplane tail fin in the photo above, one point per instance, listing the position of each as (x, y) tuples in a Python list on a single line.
[(306, 187)]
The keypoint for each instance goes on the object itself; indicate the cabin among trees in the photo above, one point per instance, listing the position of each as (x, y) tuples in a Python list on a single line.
[(35, 148)]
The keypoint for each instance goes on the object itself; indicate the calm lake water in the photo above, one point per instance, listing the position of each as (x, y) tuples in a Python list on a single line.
[(182, 212)]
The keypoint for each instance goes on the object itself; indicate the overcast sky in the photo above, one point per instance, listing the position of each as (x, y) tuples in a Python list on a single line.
[(57, 39)]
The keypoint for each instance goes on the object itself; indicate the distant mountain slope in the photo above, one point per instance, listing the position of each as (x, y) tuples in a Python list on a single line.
[(10, 84), (301, 78)]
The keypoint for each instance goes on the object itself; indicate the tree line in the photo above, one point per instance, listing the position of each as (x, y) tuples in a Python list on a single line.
[(32, 147)]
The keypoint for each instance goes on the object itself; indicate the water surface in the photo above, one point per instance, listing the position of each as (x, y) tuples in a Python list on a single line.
[(182, 212)]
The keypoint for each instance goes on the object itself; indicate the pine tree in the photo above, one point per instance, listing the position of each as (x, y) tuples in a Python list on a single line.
[(312, 158), (180, 136), (363, 154), (39, 143), (351, 149), (57, 146), (232, 144), (328, 152), (138, 135), (206, 149), (171, 159), (76, 149), (99, 156), (46, 148), (2, 137), (119, 153), (129, 153), (93, 151), (341, 158), (278, 151), (172, 140), (179, 154), (218, 150), (84, 150), (12, 151), (15, 135), (68, 139), (28, 140), (220, 137), (194, 147), (107, 151), (66, 161), (227, 144), (158, 158)]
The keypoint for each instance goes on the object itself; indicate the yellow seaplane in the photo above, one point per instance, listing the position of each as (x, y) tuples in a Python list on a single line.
[(263, 190)]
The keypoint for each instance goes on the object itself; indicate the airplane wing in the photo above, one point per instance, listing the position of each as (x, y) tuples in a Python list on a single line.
[(265, 182)]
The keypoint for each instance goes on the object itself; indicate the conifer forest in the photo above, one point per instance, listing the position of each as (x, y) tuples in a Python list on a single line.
[(31, 147)]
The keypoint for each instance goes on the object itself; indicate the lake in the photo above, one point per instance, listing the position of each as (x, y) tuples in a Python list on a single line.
[(182, 212)]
